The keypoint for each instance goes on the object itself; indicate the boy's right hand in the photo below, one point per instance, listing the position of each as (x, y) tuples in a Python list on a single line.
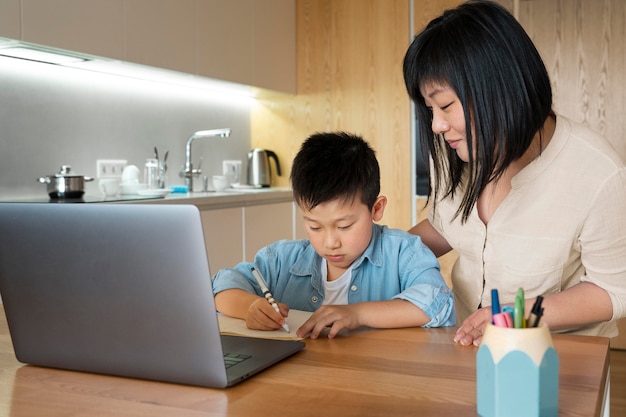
[(262, 316)]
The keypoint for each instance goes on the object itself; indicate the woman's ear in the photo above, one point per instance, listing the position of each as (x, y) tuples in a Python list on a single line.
[(379, 208)]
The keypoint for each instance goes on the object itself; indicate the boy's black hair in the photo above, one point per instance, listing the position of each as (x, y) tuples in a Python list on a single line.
[(333, 166), (482, 52)]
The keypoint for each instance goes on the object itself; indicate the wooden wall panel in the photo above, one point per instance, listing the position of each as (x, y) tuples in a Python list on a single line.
[(582, 43), (426, 10), (349, 77)]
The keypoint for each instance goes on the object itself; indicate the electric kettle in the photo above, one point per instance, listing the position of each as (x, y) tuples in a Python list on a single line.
[(259, 171)]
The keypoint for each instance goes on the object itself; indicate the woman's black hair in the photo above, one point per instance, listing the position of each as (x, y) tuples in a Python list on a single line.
[(335, 165), (480, 51)]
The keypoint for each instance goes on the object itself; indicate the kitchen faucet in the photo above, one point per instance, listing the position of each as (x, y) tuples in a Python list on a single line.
[(189, 172)]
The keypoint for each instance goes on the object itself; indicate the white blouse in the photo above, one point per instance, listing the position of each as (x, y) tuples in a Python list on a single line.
[(563, 222)]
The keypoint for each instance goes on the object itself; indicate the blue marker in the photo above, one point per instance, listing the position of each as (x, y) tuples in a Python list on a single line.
[(495, 303)]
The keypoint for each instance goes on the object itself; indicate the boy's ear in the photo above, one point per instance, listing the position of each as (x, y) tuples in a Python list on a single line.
[(379, 208)]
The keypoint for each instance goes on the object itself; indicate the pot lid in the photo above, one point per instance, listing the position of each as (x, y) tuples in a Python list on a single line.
[(66, 171)]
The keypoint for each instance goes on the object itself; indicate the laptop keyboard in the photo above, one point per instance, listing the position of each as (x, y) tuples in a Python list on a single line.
[(231, 359)]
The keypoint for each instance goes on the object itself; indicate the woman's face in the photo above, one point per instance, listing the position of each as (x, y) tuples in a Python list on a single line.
[(448, 116)]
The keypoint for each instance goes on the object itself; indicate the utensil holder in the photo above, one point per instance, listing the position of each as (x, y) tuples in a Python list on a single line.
[(517, 373)]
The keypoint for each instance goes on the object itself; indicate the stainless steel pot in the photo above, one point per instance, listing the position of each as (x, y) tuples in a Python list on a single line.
[(65, 184)]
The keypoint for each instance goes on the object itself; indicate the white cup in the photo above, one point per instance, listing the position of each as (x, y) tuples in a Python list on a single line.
[(232, 171), (109, 187), (130, 174), (220, 182)]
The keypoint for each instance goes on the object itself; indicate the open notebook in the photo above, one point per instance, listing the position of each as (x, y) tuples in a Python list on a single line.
[(237, 327)]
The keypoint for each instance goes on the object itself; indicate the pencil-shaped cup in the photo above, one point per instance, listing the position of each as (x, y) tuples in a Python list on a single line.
[(517, 373)]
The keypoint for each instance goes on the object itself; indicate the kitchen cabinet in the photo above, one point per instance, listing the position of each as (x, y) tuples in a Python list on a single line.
[(243, 41), (162, 33), (236, 234), (94, 27), (10, 19), (223, 234), (265, 224), (249, 42)]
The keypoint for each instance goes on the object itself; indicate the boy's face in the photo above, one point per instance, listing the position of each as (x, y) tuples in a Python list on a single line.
[(340, 231)]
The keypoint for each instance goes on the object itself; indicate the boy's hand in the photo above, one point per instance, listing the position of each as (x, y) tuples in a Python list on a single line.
[(262, 316), (336, 317)]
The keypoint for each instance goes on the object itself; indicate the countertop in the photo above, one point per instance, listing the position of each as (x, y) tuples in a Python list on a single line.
[(203, 200)]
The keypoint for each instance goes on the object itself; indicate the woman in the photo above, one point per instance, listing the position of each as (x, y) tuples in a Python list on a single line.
[(528, 198)]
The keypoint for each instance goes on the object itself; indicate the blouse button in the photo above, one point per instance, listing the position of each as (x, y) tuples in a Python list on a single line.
[(354, 288), (314, 299)]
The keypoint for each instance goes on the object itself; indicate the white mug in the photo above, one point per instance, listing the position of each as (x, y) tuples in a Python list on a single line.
[(109, 187), (220, 182)]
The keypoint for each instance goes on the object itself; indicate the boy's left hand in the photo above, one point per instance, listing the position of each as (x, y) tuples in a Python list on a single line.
[(337, 317)]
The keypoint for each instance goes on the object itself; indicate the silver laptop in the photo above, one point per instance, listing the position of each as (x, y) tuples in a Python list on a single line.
[(120, 289)]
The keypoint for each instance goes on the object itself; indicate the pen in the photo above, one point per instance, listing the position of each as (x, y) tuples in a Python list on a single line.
[(519, 318), (266, 292), (503, 320), (536, 312), (495, 303), (511, 311)]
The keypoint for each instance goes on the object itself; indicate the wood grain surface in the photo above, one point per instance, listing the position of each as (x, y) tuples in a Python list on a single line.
[(397, 372)]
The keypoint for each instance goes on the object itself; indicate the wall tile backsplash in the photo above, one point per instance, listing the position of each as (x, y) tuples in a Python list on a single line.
[(52, 116)]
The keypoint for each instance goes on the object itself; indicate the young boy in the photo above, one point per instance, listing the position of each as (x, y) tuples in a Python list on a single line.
[(351, 272)]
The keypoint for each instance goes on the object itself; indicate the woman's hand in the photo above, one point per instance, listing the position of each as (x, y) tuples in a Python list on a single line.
[(262, 316), (472, 329)]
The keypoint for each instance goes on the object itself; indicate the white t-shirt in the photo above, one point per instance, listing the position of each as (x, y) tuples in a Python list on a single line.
[(336, 292)]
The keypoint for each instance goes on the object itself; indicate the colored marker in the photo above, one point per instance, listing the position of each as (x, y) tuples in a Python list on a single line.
[(503, 320), (536, 312), (511, 311), (266, 292), (519, 318), (495, 302)]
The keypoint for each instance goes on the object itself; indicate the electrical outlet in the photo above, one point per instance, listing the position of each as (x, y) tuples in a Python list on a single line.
[(110, 168)]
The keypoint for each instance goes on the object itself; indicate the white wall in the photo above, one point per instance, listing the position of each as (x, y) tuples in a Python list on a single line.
[(52, 116)]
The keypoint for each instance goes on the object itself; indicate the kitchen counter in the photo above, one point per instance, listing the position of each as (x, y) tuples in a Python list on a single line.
[(224, 199), (203, 200)]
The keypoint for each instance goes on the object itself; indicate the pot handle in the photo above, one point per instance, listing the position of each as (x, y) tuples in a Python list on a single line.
[(88, 178), (44, 180)]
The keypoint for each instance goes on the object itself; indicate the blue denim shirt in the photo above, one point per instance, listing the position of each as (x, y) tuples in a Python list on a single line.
[(396, 264)]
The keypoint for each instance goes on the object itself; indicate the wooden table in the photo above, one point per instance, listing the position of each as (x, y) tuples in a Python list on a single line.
[(368, 373)]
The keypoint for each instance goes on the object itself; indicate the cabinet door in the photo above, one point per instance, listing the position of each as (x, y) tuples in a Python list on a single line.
[(275, 45), (10, 19), (223, 234), (225, 46), (162, 33), (265, 224), (249, 42), (89, 26)]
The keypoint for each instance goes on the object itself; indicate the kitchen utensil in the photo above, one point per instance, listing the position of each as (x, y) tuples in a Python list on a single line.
[(232, 170), (65, 183), (259, 171), (151, 173)]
